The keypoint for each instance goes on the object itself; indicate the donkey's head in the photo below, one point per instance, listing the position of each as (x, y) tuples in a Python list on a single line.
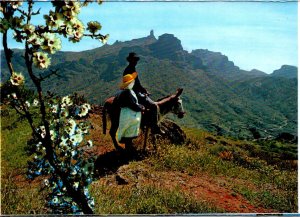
[(177, 107), (172, 104)]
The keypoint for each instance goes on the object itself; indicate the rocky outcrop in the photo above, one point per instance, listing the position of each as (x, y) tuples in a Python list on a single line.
[(173, 132), (167, 47), (286, 71), (215, 61)]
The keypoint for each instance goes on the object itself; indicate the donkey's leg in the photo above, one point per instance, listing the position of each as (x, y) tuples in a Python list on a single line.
[(146, 137), (154, 140)]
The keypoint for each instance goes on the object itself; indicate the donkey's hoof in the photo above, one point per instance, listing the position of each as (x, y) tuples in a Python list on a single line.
[(157, 131), (118, 148)]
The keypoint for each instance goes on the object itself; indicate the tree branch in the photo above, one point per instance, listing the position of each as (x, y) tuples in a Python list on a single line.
[(22, 12), (18, 111), (36, 13), (8, 52), (77, 195), (27, 114), (94, 36)]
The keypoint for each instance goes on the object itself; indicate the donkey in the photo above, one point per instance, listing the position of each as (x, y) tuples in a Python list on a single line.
[(169, 104)]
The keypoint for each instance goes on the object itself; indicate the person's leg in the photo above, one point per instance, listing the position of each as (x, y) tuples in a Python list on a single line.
[(130, 150)]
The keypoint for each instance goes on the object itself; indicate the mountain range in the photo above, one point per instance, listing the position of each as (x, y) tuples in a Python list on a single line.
[(218, 96)]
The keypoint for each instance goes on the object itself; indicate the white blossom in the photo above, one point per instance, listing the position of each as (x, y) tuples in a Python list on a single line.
[(51, 43), (41, 60), (84, 110), (93, 26), (75, 29), (35, 40), (64, 113), (46, 182), (74, 172), (52, 135), (35, 102), (27, 104), (14, 96), (72, 6), (66, 101), (29, 29), (104, 39), (63, 142), (91, 202), (90, 143), (15, 4), (54, 109), (55, 200), (42, 130), (70, 127), (73, 153), (54, 20), (75, 185), (76, 139), (17, 79)]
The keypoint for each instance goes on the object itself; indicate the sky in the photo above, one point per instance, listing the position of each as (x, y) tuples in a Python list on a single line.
[(254, 35)]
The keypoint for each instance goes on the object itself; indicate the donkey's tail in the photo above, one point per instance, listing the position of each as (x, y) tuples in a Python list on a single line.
[(104, 124)]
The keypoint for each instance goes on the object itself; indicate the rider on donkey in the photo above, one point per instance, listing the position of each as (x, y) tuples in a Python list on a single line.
[(130, 115), (142, 94)]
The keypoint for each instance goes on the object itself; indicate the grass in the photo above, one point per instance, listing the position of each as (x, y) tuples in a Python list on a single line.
[(146, 199), (19, 198), (15, 133), (17, 195), (200, 157), (274, 199), (242, 165)]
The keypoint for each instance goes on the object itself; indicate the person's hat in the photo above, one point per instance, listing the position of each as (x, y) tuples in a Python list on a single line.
[(132, 57), (127, 79)]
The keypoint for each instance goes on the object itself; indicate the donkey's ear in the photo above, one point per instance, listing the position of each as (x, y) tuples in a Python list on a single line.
[(179, 92)]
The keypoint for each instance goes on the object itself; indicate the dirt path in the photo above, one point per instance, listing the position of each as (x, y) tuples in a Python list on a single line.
[(206, 188), (202, 187)]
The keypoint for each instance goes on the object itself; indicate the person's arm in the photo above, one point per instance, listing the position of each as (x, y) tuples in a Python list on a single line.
[(138, 87), (128, 100)]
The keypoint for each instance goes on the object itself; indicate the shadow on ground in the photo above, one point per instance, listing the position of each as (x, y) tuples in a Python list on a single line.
[(109, 162)]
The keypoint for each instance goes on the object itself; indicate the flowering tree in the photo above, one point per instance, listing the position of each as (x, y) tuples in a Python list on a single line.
[(58, 127)]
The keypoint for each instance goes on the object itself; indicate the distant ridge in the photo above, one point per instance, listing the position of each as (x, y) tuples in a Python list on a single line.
[(286, 71), (218, 96)]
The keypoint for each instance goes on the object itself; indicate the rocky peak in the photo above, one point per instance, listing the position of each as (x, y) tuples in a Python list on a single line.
[(167, 47), (286, 71), (152, 34), (170, 39)]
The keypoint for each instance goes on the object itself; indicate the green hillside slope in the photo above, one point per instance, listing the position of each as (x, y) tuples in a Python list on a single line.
[(218, 96)]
